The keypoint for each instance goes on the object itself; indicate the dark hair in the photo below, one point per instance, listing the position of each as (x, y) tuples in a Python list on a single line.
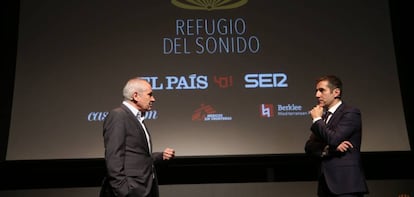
[(333, 82)]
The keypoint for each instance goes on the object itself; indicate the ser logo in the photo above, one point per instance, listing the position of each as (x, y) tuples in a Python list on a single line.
[(265, 80)]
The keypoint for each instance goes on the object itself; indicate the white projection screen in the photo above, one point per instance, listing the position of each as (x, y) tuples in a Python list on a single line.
[(234, 78)]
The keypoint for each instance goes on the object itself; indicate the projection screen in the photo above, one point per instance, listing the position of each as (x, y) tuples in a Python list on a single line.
[(234, 78)]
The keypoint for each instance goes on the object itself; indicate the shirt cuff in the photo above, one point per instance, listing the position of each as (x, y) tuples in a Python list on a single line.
[(316, 119)]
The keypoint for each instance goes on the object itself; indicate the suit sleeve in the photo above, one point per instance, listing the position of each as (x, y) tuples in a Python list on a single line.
[(350, 121), (314, 146), (157, 157)]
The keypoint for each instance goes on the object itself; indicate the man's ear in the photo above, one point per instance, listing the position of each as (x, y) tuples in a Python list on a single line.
[(337, 92)]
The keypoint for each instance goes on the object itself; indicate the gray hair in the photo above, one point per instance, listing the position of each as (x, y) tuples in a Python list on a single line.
[(133, 85)]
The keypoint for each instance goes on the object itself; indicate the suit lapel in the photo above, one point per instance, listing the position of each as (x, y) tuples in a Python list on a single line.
[(137, 124), (334, 116), (149, 133)]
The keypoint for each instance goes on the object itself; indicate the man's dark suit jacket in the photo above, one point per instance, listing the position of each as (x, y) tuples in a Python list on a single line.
[(343, 171), (129, 163)]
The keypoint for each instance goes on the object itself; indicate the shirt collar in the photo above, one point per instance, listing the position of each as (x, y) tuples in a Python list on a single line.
[(335, 107), (136, 112)]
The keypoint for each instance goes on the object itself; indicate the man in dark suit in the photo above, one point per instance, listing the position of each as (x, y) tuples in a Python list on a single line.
[(336, 141), (128, 149)]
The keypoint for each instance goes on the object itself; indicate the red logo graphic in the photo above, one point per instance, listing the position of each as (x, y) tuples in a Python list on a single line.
[(202, 111), (223, 81), (267, 111)]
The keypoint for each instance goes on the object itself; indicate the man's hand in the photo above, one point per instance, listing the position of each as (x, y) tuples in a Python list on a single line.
[(344, 146), (168, 154)]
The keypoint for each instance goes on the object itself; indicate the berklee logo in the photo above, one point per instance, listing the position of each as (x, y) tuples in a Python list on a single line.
[(267, 111)]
